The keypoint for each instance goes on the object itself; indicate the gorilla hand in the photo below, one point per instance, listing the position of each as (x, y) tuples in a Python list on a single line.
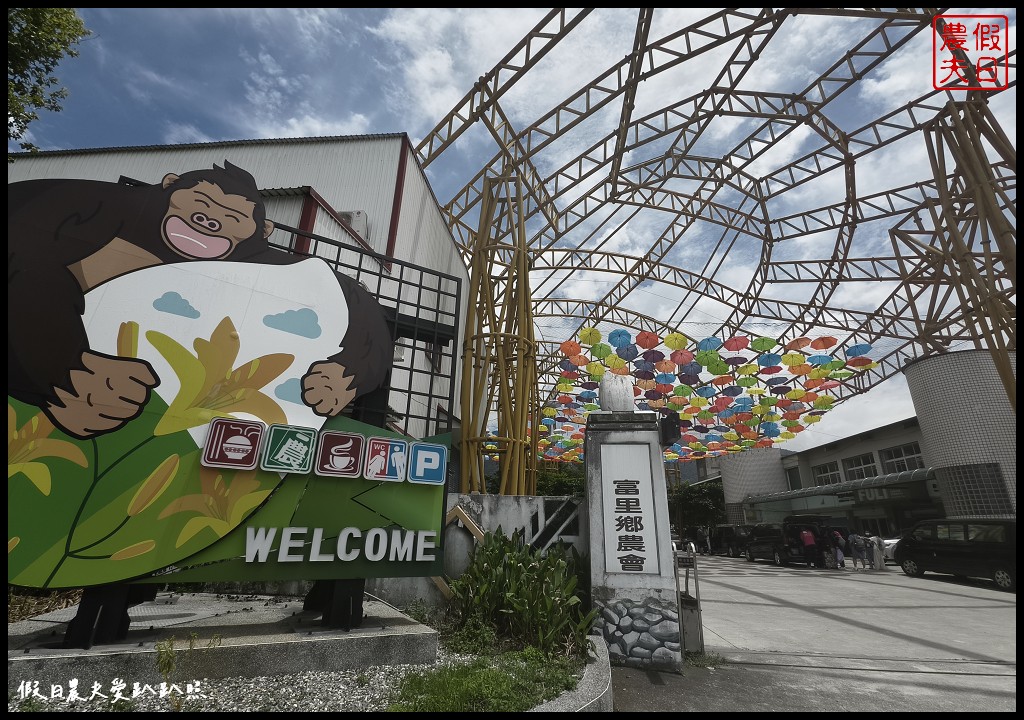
[(327, 389), (105, 393)]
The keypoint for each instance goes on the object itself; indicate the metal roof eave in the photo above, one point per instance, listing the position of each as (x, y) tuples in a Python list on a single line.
[(837, 488)]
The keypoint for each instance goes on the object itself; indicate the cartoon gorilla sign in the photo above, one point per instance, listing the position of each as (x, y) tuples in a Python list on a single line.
[(68, 237), (136, 315)]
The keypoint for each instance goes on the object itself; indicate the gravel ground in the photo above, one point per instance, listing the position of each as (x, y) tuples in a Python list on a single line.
[(367, 690)]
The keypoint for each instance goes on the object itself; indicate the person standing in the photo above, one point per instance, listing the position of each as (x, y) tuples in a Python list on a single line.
[(858, 549), (810, 547), (877, 545), (838, 542)]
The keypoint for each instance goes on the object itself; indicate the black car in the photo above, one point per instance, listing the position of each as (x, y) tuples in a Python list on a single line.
[(730, 539), (965, 548)]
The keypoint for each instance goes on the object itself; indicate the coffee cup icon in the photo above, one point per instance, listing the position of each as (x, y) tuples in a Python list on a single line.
[(340, 459)]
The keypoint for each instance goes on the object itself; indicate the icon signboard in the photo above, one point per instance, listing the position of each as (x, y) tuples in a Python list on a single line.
[(289, 449), (385, 459), (339, 454), (428, 463), (233, 444)]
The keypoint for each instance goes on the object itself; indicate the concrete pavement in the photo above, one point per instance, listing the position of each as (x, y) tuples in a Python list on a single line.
[(793, 638)]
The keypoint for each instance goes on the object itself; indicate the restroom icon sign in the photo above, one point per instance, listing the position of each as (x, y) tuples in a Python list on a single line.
[(386, 459), (340, 454)]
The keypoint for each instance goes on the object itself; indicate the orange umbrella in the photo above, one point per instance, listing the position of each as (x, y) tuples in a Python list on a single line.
[(823, 343), (579, 360), (800, 342), (570, 348)]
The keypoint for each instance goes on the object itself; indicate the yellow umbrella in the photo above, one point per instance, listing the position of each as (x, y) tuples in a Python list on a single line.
[(589, 335)]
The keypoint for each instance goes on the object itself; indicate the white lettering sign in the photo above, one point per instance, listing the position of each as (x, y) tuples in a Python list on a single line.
[(298, 545)]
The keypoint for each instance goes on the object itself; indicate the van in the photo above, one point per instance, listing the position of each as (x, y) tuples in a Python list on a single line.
[(782, 544), (730, 539), (963, 548)]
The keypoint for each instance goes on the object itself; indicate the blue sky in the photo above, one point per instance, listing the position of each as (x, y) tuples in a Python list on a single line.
[(182, 75)]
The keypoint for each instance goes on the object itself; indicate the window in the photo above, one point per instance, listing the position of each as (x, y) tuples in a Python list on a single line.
[(860, 467), (901, 458), (986, 533), (827, 474), (950, 532), (793, 478)]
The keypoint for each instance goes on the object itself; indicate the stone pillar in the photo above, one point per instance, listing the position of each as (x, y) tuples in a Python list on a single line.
[(632, 569)]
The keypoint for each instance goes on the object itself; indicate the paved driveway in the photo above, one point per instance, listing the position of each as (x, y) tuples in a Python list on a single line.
[(794, 638)]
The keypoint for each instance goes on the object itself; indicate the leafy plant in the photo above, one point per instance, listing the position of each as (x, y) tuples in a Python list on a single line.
[(529, 598)]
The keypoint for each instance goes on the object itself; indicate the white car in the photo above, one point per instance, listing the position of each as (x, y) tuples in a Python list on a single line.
[(890, 548)]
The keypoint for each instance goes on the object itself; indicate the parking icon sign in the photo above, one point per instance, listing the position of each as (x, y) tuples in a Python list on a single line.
[(428, 463)]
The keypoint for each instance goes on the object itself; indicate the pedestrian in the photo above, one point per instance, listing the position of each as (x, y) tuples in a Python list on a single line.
[(858, 549), (838, 542), (877, 545), (810, 547)]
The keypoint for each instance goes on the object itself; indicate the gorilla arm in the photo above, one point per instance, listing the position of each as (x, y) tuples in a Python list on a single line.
[(363, 363)]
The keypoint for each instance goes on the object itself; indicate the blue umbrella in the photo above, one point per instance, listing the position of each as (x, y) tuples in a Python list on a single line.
[(618, 338), (666, 378), (706, 392), (769, 359), (641, 364), (858, 350), (693, 368), (819, 359), (711, 343), (627, 352)]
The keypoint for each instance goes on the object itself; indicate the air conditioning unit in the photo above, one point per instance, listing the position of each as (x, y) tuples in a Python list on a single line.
[(356, 219)]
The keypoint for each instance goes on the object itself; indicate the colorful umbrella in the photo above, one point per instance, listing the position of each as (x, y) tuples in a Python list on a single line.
[(736, 343), (858, 350), (627, 352), (675, 341), (681, 357), (600, 350), (711, 343), (570, 348), (589, 335), (618, 338), (646, 339), (800, 342)]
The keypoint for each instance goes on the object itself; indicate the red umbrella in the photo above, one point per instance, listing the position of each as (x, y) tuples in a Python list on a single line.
[(647, 340), (736, 343)]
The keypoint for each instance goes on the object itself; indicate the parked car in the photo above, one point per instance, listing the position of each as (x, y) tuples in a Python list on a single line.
[(964, 548), (730, 539), (889, 544)]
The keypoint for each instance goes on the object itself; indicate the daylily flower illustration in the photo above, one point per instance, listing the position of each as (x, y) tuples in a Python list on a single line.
[(31, 442), (210, 388), (219, 506)]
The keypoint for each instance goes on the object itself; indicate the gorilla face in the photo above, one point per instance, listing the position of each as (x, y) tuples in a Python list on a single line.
[(205, 223)]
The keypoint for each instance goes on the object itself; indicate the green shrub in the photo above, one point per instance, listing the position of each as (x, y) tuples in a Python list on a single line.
[(529, 598)]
